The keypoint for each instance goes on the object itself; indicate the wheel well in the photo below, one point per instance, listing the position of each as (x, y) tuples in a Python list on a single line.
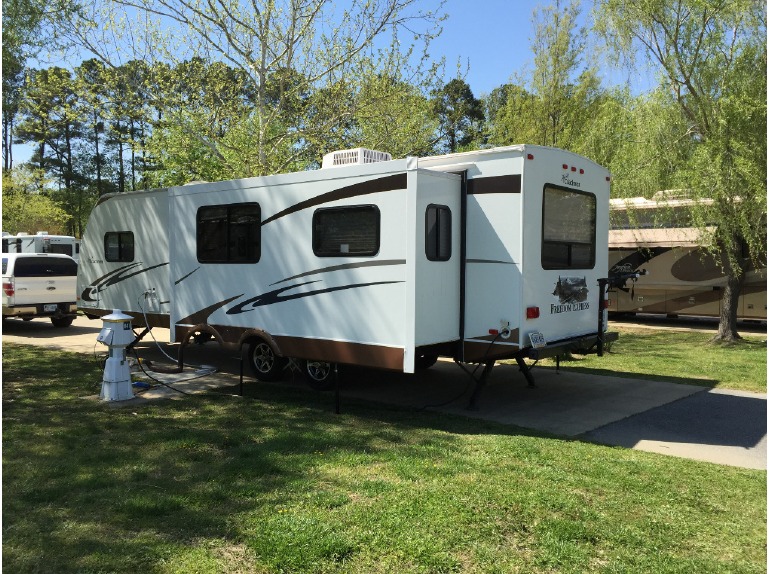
[(253, 335), (202, 328)]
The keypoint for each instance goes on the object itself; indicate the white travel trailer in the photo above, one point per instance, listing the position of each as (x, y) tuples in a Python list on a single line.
[(479, 256), (41, 242)]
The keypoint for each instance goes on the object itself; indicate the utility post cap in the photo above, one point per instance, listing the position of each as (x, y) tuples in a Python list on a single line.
[(117, 316)]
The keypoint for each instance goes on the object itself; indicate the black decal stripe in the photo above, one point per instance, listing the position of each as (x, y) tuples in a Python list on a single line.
[(497, 184), (178, 281), (490, 261), (202, 316), (113, 278), (388, 183), (273, 297), (347, 266)]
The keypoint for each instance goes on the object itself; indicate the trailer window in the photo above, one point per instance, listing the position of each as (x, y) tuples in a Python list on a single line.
[(346, 231), (229, 233), (119, 246), (569, 229), (438, 233)]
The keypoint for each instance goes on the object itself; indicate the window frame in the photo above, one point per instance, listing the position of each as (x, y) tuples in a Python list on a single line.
[(433, 248), (352, 208), (122, 246), (229, 225), (570, 245)]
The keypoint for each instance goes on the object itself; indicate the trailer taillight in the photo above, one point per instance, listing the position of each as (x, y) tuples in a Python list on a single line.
[(533, 312), (8, 288)]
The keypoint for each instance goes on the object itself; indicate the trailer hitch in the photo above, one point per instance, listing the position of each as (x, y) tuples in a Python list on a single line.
[(617, 280)]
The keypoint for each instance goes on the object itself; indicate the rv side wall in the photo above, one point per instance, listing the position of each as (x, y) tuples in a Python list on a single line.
[(124, 257), (313, 303)]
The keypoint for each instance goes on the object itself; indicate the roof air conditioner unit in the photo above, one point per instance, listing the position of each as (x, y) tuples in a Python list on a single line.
[(357, 156)]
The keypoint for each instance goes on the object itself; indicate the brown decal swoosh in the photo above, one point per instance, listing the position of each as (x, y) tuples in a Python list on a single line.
[(388, 183)]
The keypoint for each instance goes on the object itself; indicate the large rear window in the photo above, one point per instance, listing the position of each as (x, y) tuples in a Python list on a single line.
[(569, 229), (44, 267)]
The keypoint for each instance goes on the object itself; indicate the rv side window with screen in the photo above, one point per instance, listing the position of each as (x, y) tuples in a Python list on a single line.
[(229, 233), (569, 229), (438, 233), (346, 231), (119, 246)]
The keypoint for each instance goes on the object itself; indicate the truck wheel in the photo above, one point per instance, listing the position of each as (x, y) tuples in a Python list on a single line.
[(62, 322), (266, 364), (319, 375)]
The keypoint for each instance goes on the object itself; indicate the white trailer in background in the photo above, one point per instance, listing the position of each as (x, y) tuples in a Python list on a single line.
[(478, 256), (41, 242)]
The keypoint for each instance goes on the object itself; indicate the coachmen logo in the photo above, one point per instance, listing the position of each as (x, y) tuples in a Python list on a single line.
[(572, 293)]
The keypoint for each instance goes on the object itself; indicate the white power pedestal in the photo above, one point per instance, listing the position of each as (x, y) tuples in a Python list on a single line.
[(117, 334)]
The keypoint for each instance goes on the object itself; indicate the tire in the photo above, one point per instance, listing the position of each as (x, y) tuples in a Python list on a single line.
[(425, 361), (267, 366), (319, 375), (62, 322)]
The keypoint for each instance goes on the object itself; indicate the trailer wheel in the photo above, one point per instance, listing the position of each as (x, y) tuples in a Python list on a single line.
[(62, 322), (319, 375), (425, 361), (266, 364)]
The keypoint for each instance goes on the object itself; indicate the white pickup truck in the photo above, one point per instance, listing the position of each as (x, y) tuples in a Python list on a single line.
[(40, 285)]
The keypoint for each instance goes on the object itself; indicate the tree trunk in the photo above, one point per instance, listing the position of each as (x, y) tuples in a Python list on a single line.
[(728, 309)]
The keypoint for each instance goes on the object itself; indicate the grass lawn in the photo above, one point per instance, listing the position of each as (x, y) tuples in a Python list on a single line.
[(683, 357), (275, 482)]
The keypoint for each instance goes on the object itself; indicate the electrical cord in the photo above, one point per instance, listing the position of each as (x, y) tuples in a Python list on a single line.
[(157, 343), (471, 374)]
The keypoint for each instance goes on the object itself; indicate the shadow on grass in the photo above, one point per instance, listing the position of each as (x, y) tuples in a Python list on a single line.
[(88, 487)]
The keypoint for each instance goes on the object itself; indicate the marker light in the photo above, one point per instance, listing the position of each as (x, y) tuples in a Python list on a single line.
[(533, 312)]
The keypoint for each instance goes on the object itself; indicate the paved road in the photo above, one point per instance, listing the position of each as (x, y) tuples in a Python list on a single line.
[(724, 427)]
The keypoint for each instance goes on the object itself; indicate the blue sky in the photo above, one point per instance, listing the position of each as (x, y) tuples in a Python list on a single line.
[(494, 36)]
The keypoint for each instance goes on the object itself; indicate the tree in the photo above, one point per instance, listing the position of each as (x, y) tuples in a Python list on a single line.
[(708, 53), (460, 115), (285, 50), (25, 209), (28, 26), (557, 106)]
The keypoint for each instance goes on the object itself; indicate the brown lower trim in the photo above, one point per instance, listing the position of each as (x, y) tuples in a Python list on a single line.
[(160, 320), (376, 356)]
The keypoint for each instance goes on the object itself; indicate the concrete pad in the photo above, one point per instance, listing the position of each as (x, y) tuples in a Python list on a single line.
[(563, 403)]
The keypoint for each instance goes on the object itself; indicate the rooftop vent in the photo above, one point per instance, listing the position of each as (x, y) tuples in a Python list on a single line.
[(355, 156)]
